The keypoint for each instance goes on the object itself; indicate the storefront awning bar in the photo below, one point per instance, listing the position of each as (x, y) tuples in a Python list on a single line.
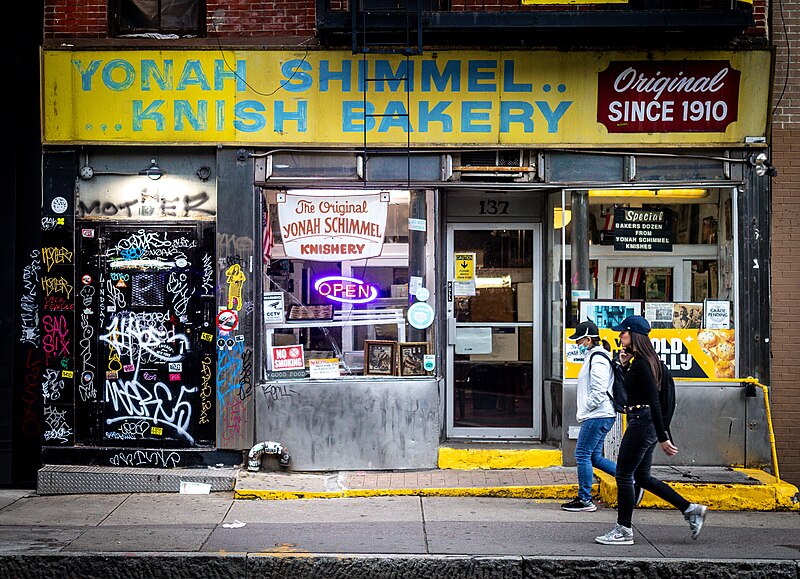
[(548, 186)]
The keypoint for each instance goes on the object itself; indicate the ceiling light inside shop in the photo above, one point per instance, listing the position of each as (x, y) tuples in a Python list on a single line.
[(650, 193), (561, 217), (489, 282)]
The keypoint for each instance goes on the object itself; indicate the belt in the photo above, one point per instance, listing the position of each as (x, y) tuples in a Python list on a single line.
[(637, 407)]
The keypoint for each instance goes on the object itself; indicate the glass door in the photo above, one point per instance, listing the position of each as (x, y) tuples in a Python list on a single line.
[(494, 330)]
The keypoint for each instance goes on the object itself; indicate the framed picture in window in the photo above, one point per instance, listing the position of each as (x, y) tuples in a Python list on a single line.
[(687, 315), (379, 357), (412, 358), (608, 313)]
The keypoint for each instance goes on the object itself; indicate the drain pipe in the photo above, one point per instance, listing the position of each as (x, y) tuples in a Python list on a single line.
[(267, 447)]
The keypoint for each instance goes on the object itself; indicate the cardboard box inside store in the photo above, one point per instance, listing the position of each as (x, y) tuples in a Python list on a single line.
[(492, 305), (505, 347)]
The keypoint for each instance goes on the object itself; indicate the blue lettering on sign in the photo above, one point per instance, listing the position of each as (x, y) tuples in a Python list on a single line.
[(476, 74), (523, 114), (451, 74), (437, 115), (498, 113), (193, 75), (327, 75), (297, 77), (470, 117), (553, 116)]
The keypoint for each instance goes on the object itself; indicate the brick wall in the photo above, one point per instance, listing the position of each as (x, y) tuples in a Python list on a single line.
[(276, 18), (248, 18), (785, 370)]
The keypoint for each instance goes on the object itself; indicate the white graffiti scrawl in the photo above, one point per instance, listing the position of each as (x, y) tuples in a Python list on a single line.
[(57, 427), (154, 402), (145, 338)]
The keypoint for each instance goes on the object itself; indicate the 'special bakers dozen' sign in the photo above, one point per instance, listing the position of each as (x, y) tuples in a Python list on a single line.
[(668, 96)]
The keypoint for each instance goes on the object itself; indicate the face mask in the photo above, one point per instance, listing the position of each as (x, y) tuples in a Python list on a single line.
[(582, 348)]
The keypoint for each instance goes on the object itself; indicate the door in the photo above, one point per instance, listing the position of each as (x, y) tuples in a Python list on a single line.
[(152, 377), (494, 331)]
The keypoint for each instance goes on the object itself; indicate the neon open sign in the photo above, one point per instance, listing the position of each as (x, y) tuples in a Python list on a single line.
[(347, 290)]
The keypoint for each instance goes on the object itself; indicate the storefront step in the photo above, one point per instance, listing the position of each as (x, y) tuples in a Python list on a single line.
[(485, 455), (73, 479)]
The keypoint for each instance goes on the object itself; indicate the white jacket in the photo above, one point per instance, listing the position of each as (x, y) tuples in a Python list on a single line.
[(593, 400)]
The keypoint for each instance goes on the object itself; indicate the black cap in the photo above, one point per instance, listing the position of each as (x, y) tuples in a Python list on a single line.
[(636, 324), (585, 329)]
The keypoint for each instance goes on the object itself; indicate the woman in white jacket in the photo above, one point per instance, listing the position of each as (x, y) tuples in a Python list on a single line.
[(595, 414)]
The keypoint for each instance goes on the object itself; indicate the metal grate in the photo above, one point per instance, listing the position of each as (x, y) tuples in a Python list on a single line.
[(148, 289)]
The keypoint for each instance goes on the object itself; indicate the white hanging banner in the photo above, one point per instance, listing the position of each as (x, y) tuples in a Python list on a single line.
[(332, 226)]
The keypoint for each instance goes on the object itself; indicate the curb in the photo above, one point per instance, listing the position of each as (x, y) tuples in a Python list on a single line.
[(770, 495), (310, 566), (508, 492)]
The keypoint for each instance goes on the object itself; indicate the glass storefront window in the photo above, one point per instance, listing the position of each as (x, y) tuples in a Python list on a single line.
[(688, 264), (345, 315)]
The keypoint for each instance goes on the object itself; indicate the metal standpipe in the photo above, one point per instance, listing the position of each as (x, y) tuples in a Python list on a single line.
[(266, 447)]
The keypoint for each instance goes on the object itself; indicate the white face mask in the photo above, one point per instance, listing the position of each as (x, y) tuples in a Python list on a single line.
[(583, 348)]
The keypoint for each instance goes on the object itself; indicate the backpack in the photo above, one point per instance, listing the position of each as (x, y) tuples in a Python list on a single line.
[(617, 394)]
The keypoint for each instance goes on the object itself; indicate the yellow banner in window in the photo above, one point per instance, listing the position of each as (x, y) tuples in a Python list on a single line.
[(688, 354)]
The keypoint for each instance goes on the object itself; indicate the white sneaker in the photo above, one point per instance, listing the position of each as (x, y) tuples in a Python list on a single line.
[(619, 535), (696, 516)]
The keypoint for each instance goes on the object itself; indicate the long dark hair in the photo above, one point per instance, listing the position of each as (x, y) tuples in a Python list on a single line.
[(597, 341), (643, 347)]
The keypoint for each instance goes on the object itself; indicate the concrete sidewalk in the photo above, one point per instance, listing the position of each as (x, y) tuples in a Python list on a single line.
[(216, 535)]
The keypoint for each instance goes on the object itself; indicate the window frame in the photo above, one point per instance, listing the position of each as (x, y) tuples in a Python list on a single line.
[(116, 29)]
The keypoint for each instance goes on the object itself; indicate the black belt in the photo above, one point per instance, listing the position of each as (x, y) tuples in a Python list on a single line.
[(637, 407)]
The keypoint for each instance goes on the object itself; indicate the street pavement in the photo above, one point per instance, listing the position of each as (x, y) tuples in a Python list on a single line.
[(216, 535)]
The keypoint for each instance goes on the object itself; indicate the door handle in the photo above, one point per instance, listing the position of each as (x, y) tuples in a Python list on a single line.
[(451, 331)]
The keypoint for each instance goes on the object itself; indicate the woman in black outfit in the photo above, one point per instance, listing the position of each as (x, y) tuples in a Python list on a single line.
[(645, 429)]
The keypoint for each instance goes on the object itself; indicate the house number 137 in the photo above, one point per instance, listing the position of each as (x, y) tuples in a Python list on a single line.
[(492, 207)]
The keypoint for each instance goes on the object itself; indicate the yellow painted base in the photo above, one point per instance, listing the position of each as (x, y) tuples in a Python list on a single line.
[(771, 495), (513, 492), (494, 458)]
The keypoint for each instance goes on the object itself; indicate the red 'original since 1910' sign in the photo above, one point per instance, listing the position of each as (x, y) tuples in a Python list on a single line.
[(668, 96)]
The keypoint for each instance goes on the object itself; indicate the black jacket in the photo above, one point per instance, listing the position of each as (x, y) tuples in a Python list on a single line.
[(640, 386)]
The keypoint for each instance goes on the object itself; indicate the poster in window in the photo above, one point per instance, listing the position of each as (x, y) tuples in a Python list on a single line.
[(412, 358), (657, 284), (608, 313), (687, 315), (379, 357), (717, 315), (709, 231), (659, 315)]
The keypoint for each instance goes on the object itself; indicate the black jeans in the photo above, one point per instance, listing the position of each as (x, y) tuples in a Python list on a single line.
[(634, 461)]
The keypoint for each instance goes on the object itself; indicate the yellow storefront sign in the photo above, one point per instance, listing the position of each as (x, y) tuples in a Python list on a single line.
[(481, 98), (694, 353)]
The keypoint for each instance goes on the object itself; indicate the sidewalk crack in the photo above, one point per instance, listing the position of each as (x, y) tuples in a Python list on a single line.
[(424, 525)]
